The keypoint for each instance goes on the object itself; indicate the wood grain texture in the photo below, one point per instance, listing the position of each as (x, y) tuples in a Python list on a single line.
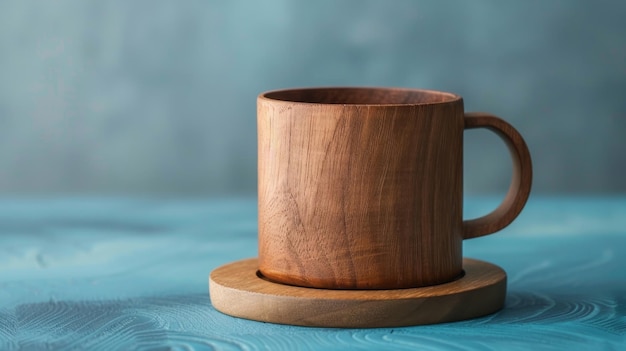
[(238, 290), (519, 190), (130, 274), (360, 189)]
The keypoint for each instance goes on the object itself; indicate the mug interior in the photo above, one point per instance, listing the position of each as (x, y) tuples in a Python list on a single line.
[(362, 96)]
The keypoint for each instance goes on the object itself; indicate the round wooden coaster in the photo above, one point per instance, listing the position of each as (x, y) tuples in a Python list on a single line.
[(238, 290)]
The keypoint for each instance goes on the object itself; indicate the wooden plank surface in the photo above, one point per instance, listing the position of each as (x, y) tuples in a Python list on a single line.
[(126, 274)]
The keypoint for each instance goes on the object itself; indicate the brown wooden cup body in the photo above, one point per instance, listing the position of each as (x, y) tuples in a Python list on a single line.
[(361, 195)]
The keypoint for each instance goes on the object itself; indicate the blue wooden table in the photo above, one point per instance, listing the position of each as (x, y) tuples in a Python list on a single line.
[(132, 274)]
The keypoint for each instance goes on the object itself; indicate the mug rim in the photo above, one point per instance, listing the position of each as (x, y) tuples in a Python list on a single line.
[(281, 95)]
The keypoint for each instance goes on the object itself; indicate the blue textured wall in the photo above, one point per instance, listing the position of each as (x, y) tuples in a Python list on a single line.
[(159, 96)]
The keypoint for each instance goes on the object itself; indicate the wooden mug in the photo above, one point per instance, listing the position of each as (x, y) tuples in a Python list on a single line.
[(362, 188)]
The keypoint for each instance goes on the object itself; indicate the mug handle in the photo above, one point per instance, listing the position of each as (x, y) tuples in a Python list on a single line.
[(519, 190)]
